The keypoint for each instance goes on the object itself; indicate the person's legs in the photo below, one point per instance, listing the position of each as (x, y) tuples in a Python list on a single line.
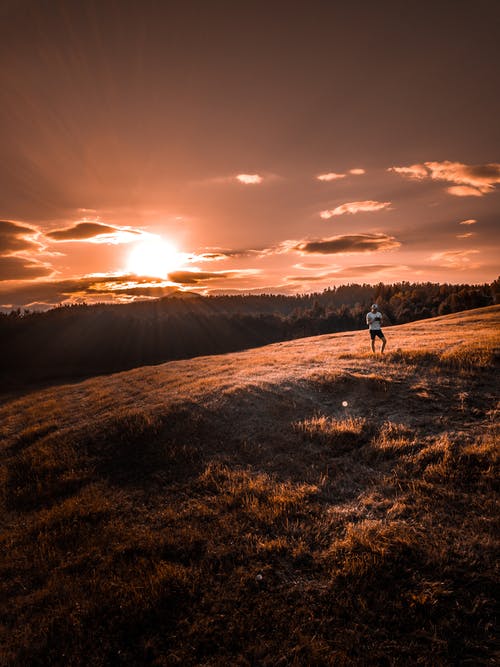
[(378, 334)]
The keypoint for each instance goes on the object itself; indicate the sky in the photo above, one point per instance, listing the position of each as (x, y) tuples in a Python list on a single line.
[(230, 147)]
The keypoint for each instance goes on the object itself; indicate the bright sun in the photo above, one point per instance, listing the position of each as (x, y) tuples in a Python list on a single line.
[(155, 258)]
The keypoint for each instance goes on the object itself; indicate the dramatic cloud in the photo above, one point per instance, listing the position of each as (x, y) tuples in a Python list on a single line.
[(417, 171), (108, 288), (467, 235), (455, 259), (14, 267), (483, 177), (209, 257), (129, 286), (81, 231), (355, 207), (19, 251), (330, 176), (471, 221), (196, 277), (468, 180), (15, 237), (351, 243), (464, 191), (96, 232), (249, 179), (357, 172), (217, 254)]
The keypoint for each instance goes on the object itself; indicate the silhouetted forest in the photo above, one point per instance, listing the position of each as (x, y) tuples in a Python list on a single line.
[(84, 340)]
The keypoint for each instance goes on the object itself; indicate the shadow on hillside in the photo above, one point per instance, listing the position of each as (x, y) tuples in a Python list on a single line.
[(251, 427), (297, 432)]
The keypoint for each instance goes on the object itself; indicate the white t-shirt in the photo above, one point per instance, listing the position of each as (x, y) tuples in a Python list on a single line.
[(374, 320)]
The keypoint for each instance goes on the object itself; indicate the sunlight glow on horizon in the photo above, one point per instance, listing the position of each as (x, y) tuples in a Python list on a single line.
[(156, 258)]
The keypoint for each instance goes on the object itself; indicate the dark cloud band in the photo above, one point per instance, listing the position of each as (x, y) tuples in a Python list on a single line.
[(195, 277), (81, 231), (350, 243), (21, 268), (59, 291), (15, 237)]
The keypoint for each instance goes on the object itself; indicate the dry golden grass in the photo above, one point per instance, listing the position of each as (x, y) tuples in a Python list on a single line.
[(307, 503)]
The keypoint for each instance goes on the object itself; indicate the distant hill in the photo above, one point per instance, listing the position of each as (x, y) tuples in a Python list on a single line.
[(73, 342), (303, 503), (180, 294)]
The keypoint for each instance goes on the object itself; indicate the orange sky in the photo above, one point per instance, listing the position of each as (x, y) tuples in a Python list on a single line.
[(230, 147)]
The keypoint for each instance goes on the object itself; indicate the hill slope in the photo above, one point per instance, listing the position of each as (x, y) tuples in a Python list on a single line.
[(302, 503)]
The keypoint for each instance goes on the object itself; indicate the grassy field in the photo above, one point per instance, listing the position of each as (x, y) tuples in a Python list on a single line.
[(305, 503)]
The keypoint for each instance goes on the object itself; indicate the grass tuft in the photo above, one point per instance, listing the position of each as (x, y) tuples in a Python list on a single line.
[(340, 434), (468, 358)]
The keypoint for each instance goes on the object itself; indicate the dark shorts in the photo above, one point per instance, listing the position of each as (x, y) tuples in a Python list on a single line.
[(376, 332)]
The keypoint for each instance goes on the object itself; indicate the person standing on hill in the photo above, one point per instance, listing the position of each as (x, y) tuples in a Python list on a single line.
[(374, 322)]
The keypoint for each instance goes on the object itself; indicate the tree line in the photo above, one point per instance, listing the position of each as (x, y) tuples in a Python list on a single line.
[(74, 341)]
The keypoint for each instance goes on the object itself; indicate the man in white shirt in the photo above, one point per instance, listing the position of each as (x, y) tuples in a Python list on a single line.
[(374, 321)]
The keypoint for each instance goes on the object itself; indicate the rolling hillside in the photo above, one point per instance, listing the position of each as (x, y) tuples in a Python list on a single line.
[(304, 503)]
